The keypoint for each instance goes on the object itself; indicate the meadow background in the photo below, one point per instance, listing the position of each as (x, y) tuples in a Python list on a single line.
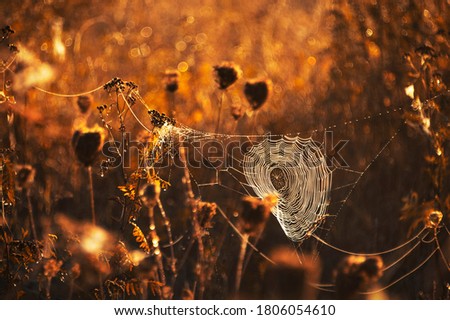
[(329, 62)]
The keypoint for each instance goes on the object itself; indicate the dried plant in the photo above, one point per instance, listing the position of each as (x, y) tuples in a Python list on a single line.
[(257, 92), (254, 215), (356, 275), (226, 74), (84, 103)]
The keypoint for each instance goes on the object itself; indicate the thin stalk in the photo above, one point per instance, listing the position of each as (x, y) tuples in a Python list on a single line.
[(122, 134), (169, 233), (235, 126), (155, 243), (255, 115), (72, 284), (122, 225), (47, 288), (195, 224), (8, 272), (91, 195), (187, 177), (30, 213), (201, 256), (171, 102), (221, 242), (240, 264), (255, 242), (100, 282), (92, 203), (145, 290), (222, 94)]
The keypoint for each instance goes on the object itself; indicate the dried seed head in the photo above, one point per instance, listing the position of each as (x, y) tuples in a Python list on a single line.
[(255, 213), (166, 293), (75, 271), (426, 52), (24, 176), (52, 267), (3, 97), (160, 119), (356, 274), (372, 267), (13, 48), (187, 294), (437, 83), (205, 212), (433, 218), (236, 111), (290, 278), (84, 103), (226, 74), (171, 78), (7, 30), (121, 260), (87, 143), (257, 92), (149, 194)]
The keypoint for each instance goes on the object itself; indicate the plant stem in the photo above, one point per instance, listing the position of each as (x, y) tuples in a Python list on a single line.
[(255, 242), (254, 126), (47, 289), (30, 212), (171, 104), (155, 243), (195, 224), (201, 256), (100, 281), (222, 94), (91, 195), (169, 234), (72, 283), (240, 263)]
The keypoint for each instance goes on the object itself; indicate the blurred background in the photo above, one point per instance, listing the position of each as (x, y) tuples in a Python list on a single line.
[(325, 63)]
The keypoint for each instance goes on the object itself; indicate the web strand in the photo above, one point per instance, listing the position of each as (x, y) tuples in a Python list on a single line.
[(73, 95)]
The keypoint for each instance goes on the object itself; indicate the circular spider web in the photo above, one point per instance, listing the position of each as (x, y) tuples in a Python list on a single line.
[(296, 171)]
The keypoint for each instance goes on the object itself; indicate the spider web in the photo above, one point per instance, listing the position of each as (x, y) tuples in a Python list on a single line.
[(312, 187)]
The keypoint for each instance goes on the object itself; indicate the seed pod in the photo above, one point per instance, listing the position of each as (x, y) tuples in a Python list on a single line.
[(171, 78), (236, 111), (149, 194), (24, 176), (87, 143), (187, 294), (84, 103), (205, 212), (356, 274), (52, 267), (255, 213), (433, 218), (426, 53), (226, 74), (75, 271), (257, 92), (290, 278), (437, 83), (3, 97)]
